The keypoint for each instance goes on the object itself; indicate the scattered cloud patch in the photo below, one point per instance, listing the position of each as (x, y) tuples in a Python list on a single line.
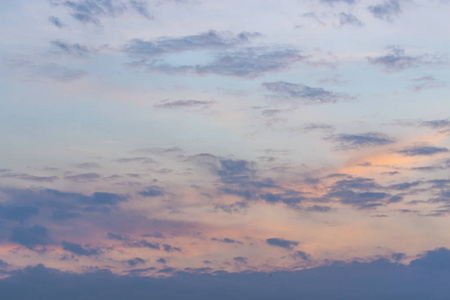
[(251, 62), (349, 19), (422, 150), (76, 49), (152, 191), (135, 261), (166, 45), (396, 60), (183, 104), (91, 11), (30, 237), (79, 250), (286, 244), (226, 240), (240, 259), (303, 93), (362, 140), (386, 10), (56, 21)]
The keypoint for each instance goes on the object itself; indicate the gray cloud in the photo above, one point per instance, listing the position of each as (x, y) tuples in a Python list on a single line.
[(422, 150), (174, 104), (303, 93), (144, 160), (29, 177), (337, 1), (135, 261), (396, 60), (226, 240), (78, 249), (437, 124), (362, 140), (152, 191), (170, 248), (385, 11), (251, 62), (423, 278), (18, 212), (365, 200), (76, 49), (166, 45), (56, 21), (240, 259), (349, 19), (427, 82), (141, 8), (281, 243), (301, 255), (30, 237), (91, 11), (118, 237)]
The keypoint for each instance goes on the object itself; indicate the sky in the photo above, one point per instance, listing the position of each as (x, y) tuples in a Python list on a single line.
[(187, 146)]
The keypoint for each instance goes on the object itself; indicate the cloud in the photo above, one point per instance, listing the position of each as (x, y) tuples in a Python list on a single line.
[(289, 198), (141, 8), (76, 49), (405, 185), (144, 160), (78, 249), (423, 278), (170, 248), (166, 45), (55, 21), (152, 191), (29, 177), (422, 150), (349, 19), (240, 259), (438, 259), (365, 200), (358, 183), (234, 171), (145, 244), (83, 177), (337, 1), (437, 124), (183, 104), (18, 212), (303, 93), (361, 140), (226, 240), (385, 11), (427, 82), (30, 237), (251, 62), (90, 11), (317, 126), (100, 198), (318, 208), (286, 244), (301, 255), (135, 261), (396, 60), (118, 237)]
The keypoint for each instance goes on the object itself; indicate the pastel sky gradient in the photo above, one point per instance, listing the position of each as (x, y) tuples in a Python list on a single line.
[(163, 139)]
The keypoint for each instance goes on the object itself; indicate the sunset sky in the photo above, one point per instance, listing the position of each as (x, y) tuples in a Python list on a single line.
[(165, 139)]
